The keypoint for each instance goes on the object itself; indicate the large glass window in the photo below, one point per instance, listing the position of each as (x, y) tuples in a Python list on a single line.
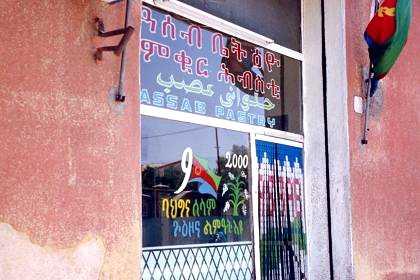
[(197, 216), (196, 184), (195, 69)]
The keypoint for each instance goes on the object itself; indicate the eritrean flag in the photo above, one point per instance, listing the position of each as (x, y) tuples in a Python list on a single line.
[(386, 35), (207, 179)]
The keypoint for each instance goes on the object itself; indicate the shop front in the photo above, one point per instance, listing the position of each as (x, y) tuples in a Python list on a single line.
[(222, 141)]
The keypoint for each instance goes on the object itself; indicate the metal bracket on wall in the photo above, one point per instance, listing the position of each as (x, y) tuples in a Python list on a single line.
[(111, 2), (367, 106), (117, 49), (127, 32)]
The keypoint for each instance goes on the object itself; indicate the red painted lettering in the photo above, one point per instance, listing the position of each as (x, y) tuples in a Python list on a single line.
[(146, 17), (259, 84), (247, 80), (168, 28), (149, 48), (275, 89), (237, 49), (256, 58), (184, 61), (200, 63), (225, 75), (217, 45), (189, 36), (270, 60)]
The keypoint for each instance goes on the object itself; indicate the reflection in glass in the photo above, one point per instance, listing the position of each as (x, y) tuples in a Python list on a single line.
[(214, 205), (276, 19), (195, 69)]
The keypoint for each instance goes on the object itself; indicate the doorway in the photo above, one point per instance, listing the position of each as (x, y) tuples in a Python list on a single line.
[(280, 235)]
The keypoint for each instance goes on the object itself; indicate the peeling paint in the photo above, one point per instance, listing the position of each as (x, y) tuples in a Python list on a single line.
[(68, 163), (20, 259)]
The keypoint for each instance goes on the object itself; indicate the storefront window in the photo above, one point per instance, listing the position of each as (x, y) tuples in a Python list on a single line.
[(195, 182), (195, 69), (204, 95)]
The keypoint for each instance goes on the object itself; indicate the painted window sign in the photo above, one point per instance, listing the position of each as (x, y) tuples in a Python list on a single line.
[(194, 69), (195, 191)]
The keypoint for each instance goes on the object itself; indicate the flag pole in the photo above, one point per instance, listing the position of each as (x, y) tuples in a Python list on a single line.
[(368, 83)]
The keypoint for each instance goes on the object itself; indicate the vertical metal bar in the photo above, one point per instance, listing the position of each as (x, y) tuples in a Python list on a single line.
[(256, 207), (120, 94), (368, 97), (365, 127)]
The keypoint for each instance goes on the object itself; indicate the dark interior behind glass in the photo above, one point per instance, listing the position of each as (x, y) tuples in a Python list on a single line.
[(277, 19)]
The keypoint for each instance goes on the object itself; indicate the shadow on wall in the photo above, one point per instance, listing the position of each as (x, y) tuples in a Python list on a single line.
[(402, 276)]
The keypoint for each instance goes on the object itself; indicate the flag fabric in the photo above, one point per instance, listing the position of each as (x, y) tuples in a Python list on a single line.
[(386, 35), (201, 173)]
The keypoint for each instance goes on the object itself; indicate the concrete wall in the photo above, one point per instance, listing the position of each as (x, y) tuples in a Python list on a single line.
[(385, 176), (338, 139), (69, 161), (314, 147)]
